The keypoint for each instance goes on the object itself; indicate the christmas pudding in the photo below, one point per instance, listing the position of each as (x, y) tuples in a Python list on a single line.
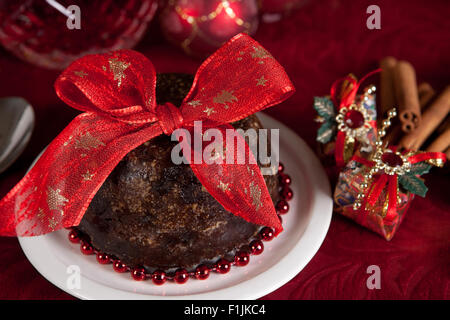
[(153, 213), (110, 174)]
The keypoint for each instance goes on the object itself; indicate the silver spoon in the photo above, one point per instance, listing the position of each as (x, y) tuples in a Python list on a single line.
[(16, 126)]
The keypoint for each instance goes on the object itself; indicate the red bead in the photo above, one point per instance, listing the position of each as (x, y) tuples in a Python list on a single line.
[(138, 274), (280, 218), (354, 119), (392, 159), (256, 247), (181, 276), (74, 237), (242, 258), (280, 167), (223, 266), (159, 277), (103, 258), (202, 272), (86, 248), (266, 233), (119, 267), (282, 207), (287, 193), (285, 180)]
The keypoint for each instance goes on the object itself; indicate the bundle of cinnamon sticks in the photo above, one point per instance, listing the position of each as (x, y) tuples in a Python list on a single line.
[(423, 122)]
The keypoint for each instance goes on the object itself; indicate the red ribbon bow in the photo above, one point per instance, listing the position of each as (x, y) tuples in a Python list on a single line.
[(345, 101), (381, 180), (117, 93)]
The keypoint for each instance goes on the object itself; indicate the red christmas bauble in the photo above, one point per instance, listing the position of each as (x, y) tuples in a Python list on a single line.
[(199, 27), (37, 32)]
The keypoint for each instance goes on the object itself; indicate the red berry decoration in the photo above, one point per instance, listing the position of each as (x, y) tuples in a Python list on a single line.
[(287, 193), (74, 237), (391, 159), (86, 248), (138, 274), (103, 258), (242, 258), (282, 207), (256, 247), (285, 180), (181, 276), (280, 167), (119, 267), (200, 27), (266, 233), (354, 119), (159, 277), (202, 272), (223, 266)]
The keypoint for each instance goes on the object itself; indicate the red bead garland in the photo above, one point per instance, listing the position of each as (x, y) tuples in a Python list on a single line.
[(181, 276), (242, 258), (86, 248), (202, 272), (285, 179), (256, 247), (266, 234), (159, 277), (138, 274), (282, 207), (74, 237), (287, 193), (119, 267), (103, 258), (223, 266)]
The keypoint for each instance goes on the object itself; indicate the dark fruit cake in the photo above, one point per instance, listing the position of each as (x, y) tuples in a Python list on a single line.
[(155, 214)]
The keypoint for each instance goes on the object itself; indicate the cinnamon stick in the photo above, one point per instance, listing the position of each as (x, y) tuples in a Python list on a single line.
[(442, 142), (431, 118), (426, 93), (387, 99), (407, 96)]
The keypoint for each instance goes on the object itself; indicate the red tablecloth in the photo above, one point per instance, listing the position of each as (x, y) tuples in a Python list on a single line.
[(319, 43)]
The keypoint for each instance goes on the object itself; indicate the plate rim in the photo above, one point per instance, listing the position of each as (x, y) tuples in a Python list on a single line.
[(310, 234)]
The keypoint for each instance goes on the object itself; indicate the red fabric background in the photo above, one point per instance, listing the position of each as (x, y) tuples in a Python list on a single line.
[(319, 43)]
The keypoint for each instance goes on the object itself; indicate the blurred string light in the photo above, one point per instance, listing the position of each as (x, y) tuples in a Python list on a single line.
[(225, 14)]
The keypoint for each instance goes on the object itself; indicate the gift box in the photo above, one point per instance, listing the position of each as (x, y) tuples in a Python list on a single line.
[(346, 192), (376, 193), (347, 123)]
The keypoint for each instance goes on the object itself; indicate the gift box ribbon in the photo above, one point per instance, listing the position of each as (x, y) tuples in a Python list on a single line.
[(380, 181), (116, 92)]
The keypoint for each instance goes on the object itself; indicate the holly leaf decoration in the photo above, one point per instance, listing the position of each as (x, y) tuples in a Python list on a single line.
[(324, 107), (413, 184), (420, 168), (326, 132)]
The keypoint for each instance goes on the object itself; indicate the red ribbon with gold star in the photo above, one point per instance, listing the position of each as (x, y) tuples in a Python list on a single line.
[(116, 92)]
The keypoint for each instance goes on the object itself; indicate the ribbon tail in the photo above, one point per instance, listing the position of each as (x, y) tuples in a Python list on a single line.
[(229, 172), (339, 149), (424, 156), (391, 214), (376, 190), (56, 192)]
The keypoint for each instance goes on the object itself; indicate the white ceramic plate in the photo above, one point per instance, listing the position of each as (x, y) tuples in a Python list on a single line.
[(305, 227)]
